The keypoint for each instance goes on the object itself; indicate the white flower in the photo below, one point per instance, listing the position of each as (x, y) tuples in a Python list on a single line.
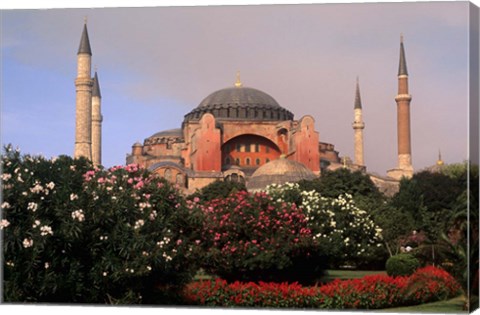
[(6, 177), (4, 223), (32, 206), (37, 188), (36, 223), (5, 205), (149, 268), (47, 265), (10, 263), (27, 243), (105, 273), (73, 197), (153, 215), (139, 224), (78, 215), (51, 185), (45, 230)]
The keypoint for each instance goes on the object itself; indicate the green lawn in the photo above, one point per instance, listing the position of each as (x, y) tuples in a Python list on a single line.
[(349, 274), (454, 305)]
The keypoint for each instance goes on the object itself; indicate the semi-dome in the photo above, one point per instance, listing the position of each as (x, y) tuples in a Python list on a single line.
[(240, 103), (279, 171)]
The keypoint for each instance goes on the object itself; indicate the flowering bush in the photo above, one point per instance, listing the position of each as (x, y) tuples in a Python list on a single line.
[(253, 237), (74, 233), (342, 230), (369, 292)]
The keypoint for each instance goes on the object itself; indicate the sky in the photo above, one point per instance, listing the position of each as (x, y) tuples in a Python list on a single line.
[(156, 64)]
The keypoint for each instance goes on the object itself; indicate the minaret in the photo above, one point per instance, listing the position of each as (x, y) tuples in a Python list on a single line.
[(96, 122), (358, 126), (83, 85), (405, 168)]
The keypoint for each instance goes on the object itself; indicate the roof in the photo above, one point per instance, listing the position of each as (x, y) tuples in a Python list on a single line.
[(96, 87), (279, 171), (240, 103), (168, 133), (402, 67), (358, 100), (84, 47)]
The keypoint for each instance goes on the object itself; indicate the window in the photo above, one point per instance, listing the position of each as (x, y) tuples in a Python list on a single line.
[(227, 160), (257, 161), (239, 147), (247, 148), (247, 161), (237, 161), (267, 160), (267, 149), (257, 147)]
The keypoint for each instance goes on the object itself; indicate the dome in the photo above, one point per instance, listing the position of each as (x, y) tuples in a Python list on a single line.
[(176, 133), (279, 171), (240, 103)]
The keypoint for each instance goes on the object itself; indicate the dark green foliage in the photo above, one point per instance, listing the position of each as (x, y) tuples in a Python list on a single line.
[(342, 181), (73, 233), (218, 189), (402, 265)]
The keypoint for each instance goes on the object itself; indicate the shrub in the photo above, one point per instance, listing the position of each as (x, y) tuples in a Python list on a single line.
[(251, 237), (218, 189), (401, 265), (74, 233), (369, 292), (344, 232), (431, 284)]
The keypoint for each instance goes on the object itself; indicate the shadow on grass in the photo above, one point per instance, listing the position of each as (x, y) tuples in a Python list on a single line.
[(454, 305)]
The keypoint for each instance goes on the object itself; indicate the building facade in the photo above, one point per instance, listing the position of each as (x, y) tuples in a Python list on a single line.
[(235, 132), (228, 136)]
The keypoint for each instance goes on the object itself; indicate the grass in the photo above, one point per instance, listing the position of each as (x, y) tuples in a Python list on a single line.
[(349, 274), (454, 305)]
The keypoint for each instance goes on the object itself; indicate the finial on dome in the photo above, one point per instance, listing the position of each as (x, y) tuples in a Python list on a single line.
[(401, 37), (238, 83), (85, 18), (439, 161)]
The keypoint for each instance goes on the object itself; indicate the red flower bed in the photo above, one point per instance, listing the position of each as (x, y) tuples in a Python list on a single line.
[(428, 284)]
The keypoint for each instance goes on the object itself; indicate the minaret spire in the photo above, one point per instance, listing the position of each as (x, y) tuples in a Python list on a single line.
[(358, 100), (84, 47), (358, 126), (402, 65)]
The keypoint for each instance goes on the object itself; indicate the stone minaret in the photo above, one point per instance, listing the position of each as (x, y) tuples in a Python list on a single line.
[(358, 126), (403, 98), (96, 122), (83, 85)]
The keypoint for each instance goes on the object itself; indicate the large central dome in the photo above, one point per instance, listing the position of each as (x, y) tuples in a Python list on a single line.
[(240, 103)]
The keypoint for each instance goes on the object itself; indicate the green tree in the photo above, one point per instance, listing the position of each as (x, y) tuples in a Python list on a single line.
[(218, 189)]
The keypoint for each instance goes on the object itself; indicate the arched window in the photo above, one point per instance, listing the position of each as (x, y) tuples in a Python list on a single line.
[(247, 161), (227, 160), (257, 161), (237, 161), (267, 160)]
